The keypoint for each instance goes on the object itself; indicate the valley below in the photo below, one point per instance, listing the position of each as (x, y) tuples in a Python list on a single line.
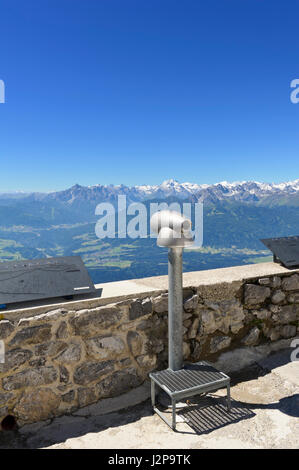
[(235, 217)]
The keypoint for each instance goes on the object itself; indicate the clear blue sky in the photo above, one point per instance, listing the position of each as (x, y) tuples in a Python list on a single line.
[(139, 91)]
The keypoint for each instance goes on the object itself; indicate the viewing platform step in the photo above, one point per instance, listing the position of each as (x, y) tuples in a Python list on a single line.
[(192, 379)]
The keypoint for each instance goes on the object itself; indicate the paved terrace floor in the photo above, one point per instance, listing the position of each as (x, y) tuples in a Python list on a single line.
[(265, 412)]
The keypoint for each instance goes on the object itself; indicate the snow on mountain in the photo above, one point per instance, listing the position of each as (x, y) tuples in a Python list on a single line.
[(246, 191)]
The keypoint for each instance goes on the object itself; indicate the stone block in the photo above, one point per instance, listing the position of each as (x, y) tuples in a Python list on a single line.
[(286, 314), (256, 294), (223, 316), (6, 328), (290, 283), (62, 332), (252, 338), (272, 332), (160, 303), (147, 362), (37, 405), (71, 354), (50, 349), (32, 335), (88, 323), (139, 308), (91, 371), (63, 374), (30, 378), (102, 347), (38, 362), (87, 396), (219, 342), (5, 397), (194, 329), (275, 282), (191, 303), (278, 297), (68, 397), (288, 331), (294, 298), (186, 350), (262, 314), (135, 343), (208, 324), (118, 383), (15, 358), (264, 281)]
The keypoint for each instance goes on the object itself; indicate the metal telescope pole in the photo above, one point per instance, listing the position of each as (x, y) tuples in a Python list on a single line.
[(175, 308)]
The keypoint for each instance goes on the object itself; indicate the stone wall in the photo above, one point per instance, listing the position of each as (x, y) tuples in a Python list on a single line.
[(65, 359)]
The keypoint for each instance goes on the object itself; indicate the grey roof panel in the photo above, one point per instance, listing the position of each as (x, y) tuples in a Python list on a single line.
[(43, 278), (284, 249)]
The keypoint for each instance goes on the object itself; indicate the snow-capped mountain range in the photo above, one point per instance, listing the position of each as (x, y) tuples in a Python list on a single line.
[(246, 191)]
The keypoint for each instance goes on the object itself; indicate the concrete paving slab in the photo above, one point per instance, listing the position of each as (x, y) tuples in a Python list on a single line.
[(282, 365)]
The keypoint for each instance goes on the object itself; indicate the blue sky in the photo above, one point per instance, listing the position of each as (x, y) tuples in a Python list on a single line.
[(139, 91)]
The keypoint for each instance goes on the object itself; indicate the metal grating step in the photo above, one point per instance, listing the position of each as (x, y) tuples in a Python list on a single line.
[(191, 376), (191, 380)]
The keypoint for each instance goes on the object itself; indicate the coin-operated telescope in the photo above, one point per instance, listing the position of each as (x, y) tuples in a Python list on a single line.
[(173, 229), (174, 232)]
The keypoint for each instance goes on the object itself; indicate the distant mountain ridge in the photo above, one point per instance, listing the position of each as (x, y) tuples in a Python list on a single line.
[(62, 223), (244, 191)]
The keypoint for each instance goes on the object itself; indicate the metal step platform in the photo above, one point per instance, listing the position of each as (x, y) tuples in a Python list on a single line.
[(192, 379)]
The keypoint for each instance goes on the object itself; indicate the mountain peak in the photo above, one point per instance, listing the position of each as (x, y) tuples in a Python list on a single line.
[(238, 191), (170, 182)]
